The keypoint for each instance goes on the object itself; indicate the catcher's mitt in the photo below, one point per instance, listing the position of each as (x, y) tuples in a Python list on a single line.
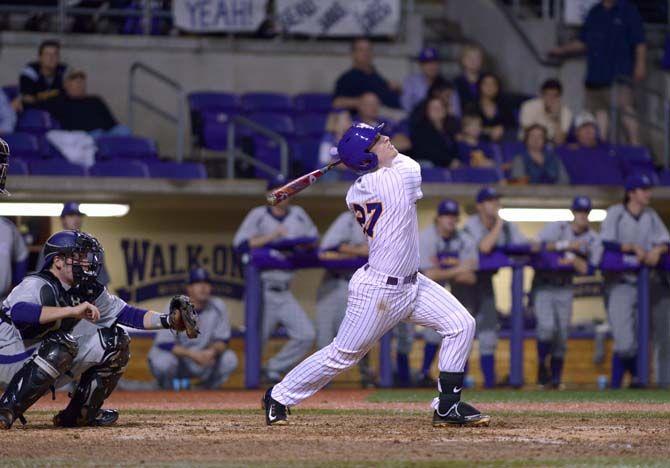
[(183, 317)]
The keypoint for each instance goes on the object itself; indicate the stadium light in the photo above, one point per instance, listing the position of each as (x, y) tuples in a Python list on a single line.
[(94, 210), (545, 215)]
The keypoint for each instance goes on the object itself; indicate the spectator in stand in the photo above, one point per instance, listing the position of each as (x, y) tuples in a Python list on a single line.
[(337, 123), (432, 144), (472, 60), (444, 90), (536, 164), (613, 39), (13, 257), (77, 110), (586, 132), (471, 151), (368, 112), (41, 81), (362, 78), (7, 115), (547, 111), (416, 86), (497, 117)]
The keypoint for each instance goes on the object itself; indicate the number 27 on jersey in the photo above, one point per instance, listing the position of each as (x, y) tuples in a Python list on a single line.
[(367, 217)]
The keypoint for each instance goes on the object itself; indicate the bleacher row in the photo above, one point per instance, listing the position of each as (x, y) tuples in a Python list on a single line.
[(301, 121)]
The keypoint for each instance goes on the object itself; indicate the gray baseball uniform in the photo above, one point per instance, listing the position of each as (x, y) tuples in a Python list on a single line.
[(480, 299), (553, 291), (279, 304), (214, 327), (647, 231), (19, 341), (12, 250)]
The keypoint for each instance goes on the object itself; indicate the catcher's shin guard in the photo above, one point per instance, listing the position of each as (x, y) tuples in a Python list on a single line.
[(97, 383), (54, 357)]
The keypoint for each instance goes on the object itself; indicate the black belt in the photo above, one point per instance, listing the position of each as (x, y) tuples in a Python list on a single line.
[(393, 281), (278, 288)]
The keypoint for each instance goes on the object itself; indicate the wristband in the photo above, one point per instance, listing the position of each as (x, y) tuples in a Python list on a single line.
[(165, 321)]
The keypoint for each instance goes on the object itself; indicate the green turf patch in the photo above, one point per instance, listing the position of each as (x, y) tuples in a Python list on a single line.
[(521, 396)]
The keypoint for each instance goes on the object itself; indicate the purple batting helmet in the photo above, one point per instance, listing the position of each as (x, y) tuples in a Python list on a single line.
[(354, 147)]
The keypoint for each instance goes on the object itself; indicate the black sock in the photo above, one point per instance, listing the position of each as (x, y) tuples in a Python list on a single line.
[(451, 384)]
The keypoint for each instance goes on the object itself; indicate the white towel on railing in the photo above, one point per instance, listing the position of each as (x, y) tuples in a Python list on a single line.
[(77, 147)]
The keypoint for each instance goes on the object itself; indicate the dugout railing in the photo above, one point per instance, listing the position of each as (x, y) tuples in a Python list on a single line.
[(516, 259)]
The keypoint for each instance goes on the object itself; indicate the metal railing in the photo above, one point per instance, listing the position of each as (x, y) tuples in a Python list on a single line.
[(650, 107), (179, 120), (234, 154)]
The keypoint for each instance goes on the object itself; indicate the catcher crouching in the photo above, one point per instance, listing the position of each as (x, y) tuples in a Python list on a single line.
[(61, 324)]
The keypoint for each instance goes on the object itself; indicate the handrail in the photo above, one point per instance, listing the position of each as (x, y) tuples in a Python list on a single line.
[(179, 119), (274, 136), (539, 58)]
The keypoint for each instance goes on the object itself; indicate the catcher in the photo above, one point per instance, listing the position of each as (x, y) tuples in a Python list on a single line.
[(47, 336)]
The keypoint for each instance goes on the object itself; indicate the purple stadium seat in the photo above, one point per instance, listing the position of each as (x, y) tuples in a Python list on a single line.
[(214, 130), (23, 145), (435, 174), (277, 122), (213, 100), (11, 91), (175, 170), (591, 166), (306, 151), (635, 160), (510, 149), (119, 168), (475, 175), (664, 178), (266, 102), (313, 102), (17, 167), (56, 167), (35, 121), (127, 147), (310, 125)]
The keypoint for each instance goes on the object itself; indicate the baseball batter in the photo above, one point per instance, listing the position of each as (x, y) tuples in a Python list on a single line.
[(262, 226), (343, 239), (387, 290), (553, 291), (633, 228)]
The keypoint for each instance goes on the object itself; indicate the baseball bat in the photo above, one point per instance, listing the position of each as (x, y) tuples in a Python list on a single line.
[(297, 185)]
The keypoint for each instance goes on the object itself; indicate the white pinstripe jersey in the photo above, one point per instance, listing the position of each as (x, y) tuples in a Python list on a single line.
[(384, 203)]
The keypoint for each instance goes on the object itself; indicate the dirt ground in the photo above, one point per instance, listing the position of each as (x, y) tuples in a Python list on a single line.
[(168, 428)]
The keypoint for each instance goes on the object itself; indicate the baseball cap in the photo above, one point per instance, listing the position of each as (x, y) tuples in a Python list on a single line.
[(198, 275), (581, 203), (637, 181), (276, 181), (487, 193), (584, 118), (448, 207), (428, 54), (71, 208)]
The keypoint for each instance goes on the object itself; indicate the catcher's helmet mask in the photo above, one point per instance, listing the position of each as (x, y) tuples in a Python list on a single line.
[(80, 250)]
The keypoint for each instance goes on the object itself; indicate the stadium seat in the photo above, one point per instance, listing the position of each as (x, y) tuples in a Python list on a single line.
[(664, 177), (266, 102), (475, 175), (213, 100), (509, 149), (596, 166), (119, 169), (635, 160), (313, 125), (313, 102), (23, 145), (17, 167), (11, 91), (435, 174), (126, 147), (35, 121), (56, 167), (277, 122), (306, 152), (175, 170)]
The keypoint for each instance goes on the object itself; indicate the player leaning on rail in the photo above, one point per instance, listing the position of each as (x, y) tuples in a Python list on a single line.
[(61, 324), (389, 289)]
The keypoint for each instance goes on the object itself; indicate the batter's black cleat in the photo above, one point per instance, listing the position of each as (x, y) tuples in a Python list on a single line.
[(276, 414), (6, 418), (105, 417), (461, 414)]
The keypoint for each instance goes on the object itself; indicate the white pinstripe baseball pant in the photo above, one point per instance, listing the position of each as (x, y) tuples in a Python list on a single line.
[(373, 308)]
